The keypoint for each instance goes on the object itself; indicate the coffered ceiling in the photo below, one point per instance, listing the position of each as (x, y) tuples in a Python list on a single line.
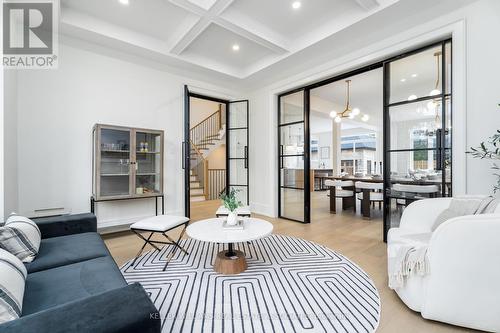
[(202, 33)]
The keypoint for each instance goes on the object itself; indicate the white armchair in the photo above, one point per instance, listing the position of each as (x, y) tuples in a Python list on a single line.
[(463, 283)]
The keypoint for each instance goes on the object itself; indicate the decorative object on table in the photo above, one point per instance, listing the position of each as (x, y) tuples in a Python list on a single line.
[(285, 271), (232, 203), (490, 150)]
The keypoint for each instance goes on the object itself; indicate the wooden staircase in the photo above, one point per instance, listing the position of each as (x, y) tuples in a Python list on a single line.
[(203, 137)]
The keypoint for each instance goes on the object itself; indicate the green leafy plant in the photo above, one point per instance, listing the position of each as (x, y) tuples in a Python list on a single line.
[(230, 201), (490, 150)]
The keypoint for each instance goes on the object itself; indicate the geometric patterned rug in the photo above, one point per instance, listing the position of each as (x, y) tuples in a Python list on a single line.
[(291, 285)]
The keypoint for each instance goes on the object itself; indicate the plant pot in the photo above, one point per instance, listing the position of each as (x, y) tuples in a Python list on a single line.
[(232, 218)]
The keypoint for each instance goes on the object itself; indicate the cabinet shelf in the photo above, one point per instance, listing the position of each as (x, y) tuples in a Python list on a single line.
[(114, 151), (121, 172)]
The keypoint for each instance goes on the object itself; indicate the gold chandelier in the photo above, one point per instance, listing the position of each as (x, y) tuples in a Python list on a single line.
[(348, 111)]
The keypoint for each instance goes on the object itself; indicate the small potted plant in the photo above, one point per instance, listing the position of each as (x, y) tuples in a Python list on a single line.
[(231, 203)]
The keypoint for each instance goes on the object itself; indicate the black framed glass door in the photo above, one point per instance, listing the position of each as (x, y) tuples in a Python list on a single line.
[(293, 156), (237, 149), (186, 160), (417, 129)]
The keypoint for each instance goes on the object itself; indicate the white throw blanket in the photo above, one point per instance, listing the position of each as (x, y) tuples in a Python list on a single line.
[(409, 256)]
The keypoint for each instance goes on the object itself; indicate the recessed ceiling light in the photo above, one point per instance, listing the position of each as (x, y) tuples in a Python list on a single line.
[(296, 4), (414, 75), (124, 2), (236, 47), (403, 80), (412, 97)]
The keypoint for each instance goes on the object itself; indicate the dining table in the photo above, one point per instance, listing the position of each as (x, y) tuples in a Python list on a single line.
[(365, 202)]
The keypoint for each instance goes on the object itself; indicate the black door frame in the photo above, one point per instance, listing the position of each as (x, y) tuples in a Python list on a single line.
[(245, 158), (305, 155), (440, 148), (186, 147), (386, 137)]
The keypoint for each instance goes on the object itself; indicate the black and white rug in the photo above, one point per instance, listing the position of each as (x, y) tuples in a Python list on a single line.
[(291, 285)]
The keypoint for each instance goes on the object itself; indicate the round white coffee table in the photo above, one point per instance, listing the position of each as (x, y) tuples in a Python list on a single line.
[(229, 261)]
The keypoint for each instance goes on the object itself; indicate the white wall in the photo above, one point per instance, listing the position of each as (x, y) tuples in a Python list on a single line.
[(10, 142), (56, 112), (475, 50), (201, 109)]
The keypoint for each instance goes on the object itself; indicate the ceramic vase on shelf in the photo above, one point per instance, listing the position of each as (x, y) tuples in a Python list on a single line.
[(232, 218)]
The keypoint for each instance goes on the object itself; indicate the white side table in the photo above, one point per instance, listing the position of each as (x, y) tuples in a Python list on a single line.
[(229, 261)]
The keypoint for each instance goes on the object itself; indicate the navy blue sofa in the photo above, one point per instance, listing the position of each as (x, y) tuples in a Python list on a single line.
[(74, 285)]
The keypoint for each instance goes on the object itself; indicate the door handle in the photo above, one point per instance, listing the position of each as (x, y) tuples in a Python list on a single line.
[(184, 155), (281, 157), (246, 157)]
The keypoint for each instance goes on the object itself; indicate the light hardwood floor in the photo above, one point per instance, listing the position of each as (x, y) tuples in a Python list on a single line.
[(358, 239)]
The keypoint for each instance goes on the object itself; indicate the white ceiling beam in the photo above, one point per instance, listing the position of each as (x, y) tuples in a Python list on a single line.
[(213, 15), (266, 42), (189, 36), (368, 4)]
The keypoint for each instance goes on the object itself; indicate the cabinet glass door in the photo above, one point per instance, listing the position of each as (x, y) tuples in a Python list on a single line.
[(237, 140), (114, 168), (148, 164)]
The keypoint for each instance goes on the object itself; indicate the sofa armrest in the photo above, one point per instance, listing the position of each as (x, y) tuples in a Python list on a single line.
[(66, 224), (420, 216), (462, 287), (127, 309)]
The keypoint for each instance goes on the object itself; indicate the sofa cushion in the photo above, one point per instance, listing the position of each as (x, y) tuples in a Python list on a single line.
[(12, 281), (65, 250), (52, 287), (21, 237)]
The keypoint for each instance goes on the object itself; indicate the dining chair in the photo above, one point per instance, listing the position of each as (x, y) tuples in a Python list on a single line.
[(426, 190), (343, 189), (370, 193)]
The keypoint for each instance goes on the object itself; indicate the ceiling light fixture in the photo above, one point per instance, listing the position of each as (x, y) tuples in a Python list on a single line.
[(124, 2), (365, 118), (412, 97), (436, 90), (296, 5), (403, 80), (236, 47), (348, 112), (414, 75)]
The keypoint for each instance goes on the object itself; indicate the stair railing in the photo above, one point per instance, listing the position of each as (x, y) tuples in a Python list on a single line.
[(206, 131), (217, 183), (199, 166)]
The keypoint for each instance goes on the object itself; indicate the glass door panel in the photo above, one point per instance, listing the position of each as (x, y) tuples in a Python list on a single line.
[(418, 119), (416, 76), (237, 141), (114, 162), (291, 157), (148, 166)]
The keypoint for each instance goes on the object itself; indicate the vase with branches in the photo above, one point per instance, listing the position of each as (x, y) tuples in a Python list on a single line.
[(490, 150), (232, 203)]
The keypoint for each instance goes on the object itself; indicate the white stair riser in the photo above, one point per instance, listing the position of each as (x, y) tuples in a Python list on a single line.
[(195, 191), (193, 178), (194, 185), (197, 199)]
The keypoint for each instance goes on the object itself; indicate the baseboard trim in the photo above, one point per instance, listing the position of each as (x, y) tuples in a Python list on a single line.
[(261, 209)]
